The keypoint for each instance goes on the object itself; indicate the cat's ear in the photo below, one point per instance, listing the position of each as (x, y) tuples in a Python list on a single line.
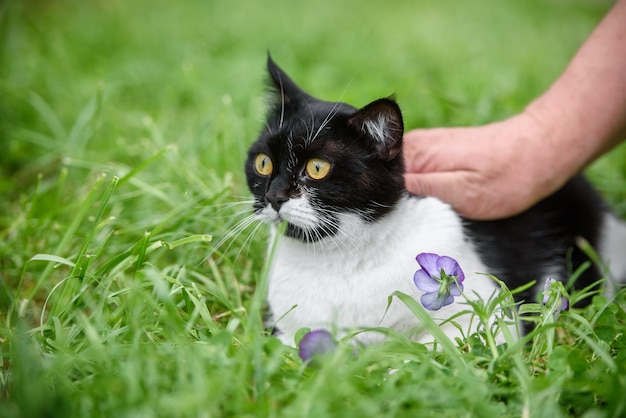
[(381, 120), (286, 91)]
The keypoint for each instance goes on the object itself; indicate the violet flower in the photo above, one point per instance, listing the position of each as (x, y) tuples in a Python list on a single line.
[(440, 277), (316, 343), (553, 288)]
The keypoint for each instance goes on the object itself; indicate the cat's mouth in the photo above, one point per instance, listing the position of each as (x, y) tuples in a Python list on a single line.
[(271, 216), (303, 222)]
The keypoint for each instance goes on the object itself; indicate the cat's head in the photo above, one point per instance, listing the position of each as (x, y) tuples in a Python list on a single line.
[(315, 161)]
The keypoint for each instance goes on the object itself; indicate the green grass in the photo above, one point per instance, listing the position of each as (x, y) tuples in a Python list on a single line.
[(123, 130)]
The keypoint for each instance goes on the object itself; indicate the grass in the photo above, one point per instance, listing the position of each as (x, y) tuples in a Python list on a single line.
[(124, 126)]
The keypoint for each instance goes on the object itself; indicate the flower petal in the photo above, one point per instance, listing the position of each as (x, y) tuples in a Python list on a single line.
[(449, 300), (428, 261), (548, 283), (451, 267), (424, 282), (455, 290), (316, 343), (434, 302), (547, 289)]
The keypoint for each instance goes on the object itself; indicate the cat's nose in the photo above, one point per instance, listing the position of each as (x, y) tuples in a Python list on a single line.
[(276, 199)]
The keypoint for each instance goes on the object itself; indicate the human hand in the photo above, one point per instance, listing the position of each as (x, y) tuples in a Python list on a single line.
[(503, 168), (485, 172)]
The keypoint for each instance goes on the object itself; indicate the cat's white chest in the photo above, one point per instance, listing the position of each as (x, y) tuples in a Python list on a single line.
[(344, 282)]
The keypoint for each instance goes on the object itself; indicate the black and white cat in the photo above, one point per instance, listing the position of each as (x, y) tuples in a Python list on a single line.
[(334, 173)]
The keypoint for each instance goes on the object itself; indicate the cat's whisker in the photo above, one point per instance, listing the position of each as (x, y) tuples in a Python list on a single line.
[(331, 114), (380, 205), (354, 244), (235, 231), (328, 227), (249, 239), (350, 243), (308, 136), (239, 213), (312, 238), (233, 214), (222, 207), (309, 132), (341, 248), (233, 234), (282, 101), (327, 120), (319, 243)]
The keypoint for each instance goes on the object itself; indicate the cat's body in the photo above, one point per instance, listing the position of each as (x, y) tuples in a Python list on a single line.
[(334, 174)]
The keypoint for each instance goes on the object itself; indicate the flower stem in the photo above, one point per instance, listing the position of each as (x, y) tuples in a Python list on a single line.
[(491, 342)]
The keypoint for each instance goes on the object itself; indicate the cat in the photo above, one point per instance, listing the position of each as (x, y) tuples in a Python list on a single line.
[(334, 174)]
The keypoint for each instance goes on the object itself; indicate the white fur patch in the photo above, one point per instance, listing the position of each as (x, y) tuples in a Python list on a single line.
[(297, 211), (378, 129), (343, 282), (613, 250)]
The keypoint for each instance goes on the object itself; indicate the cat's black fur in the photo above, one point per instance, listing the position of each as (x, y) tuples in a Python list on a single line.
[(367, 180), (520, 247)]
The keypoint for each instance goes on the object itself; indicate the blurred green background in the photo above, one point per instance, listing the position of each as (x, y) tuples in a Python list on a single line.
[(192, 65)]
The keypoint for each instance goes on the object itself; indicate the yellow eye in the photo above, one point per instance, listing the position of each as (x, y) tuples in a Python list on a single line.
[(263, 164), (317, 169)]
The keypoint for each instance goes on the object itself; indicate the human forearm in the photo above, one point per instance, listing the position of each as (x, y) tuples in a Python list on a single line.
[(584, 112)]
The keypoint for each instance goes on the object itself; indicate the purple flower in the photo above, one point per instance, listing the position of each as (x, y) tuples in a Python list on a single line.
[(315, 343), (440, 277), (553, 288)]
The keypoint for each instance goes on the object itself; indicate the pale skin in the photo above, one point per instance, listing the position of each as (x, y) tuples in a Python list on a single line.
[(503, 168)]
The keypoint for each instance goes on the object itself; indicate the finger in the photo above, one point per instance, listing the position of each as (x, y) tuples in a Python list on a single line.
[(456, 189), (421, 153), (432, 150), (442, 185), (459, 191)]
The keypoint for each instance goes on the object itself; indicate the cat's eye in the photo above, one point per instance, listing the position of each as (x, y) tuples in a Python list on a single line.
[(263, 164), (317, 168)]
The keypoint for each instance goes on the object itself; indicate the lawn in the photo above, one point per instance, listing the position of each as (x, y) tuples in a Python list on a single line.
[(129, 286)]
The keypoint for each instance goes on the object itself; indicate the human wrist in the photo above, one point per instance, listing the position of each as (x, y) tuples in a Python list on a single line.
[(565, 141), (549, 158), (583, 113)]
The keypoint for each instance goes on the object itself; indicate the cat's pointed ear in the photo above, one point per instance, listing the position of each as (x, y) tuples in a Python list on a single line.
[(287, 92), (381, 120)]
